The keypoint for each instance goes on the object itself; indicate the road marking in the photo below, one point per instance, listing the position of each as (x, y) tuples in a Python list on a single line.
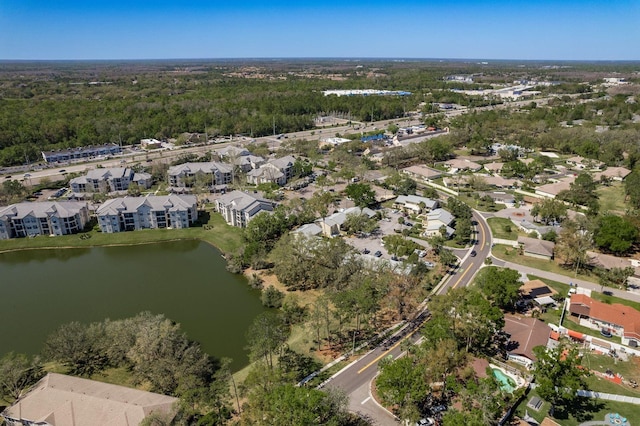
[(460, 279), (390, 349), (365, 401)]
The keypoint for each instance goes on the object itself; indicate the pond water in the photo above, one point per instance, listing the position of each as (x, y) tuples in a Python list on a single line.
[(184, 280)]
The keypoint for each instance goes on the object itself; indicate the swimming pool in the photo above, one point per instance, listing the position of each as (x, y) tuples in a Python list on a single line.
[(506, 383)]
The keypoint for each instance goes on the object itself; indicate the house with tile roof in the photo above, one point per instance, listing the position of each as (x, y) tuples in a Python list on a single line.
[(238, 208), (461, 165), (422, 172), (551, 190), (58, 399), (135, 213), (620, 320), (613, 173), (43, 218)]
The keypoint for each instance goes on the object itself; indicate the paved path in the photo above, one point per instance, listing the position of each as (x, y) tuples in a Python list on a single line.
[(609, 420)]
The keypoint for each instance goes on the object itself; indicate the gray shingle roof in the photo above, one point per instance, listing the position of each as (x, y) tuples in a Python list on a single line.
[(43, 209), (209, 167), (170, 202)]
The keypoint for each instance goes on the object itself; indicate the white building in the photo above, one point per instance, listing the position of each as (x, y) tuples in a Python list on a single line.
[(109, 180), (211, 173), (134, 213), (238, 207), (42, 218)]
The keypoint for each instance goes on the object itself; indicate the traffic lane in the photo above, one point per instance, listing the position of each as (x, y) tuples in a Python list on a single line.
[(361, 402)]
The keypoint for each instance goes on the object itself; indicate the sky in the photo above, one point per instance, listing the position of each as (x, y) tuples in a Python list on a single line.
[(171, 29)]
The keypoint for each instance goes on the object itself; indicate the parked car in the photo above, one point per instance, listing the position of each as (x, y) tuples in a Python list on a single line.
[(438, 409), (378, 253), (606, 333), (425, 422), (366, 251)]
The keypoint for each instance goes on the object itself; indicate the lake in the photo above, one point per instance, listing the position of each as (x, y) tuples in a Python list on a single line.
[(184, 280)]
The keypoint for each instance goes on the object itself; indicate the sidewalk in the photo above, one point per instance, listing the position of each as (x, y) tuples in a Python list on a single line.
[(628, 295)]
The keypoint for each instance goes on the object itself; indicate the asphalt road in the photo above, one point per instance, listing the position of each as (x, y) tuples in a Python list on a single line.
[(356, 379)]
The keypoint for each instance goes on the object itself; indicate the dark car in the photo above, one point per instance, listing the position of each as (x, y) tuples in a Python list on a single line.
[(473, 254), (378, 253), (61, 171), (606, 333), (366, 251)]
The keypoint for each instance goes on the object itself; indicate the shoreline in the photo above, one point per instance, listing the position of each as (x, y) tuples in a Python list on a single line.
[(105, 245)]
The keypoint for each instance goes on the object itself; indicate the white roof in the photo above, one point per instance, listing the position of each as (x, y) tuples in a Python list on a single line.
[(414, 199)]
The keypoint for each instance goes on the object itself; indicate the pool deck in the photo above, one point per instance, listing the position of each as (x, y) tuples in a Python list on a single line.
[(609, 420)]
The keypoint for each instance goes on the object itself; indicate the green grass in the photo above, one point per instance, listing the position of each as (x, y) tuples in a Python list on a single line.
[(612, 197), (612, 299), (511, 255), (498, 226), (481, 205), (224, 237), (595, 409)]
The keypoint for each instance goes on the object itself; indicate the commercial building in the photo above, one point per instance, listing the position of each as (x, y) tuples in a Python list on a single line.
[(134, 213), (64, 155), (42, 218)]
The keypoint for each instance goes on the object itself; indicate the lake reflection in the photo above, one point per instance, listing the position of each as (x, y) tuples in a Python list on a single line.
[(185, 280)]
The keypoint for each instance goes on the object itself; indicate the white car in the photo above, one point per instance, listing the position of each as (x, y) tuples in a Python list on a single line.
[(425, 422)]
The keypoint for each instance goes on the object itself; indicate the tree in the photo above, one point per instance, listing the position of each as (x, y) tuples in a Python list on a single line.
[(558, 375), (573, 242), (355, 223), (272, 297), (459, 209), (582, 192), (266, 337), (17, 373), (549, 211), (632, 188), (402, 383), (73, 345), (500, 285), (361, 194), (615, 234)]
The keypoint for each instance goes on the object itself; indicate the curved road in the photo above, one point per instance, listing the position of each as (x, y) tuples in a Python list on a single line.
[(356, 378)]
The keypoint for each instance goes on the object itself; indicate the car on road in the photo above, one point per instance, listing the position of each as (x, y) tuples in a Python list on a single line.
[(61, 171), (7, 177), (378, 253), (473, 253)]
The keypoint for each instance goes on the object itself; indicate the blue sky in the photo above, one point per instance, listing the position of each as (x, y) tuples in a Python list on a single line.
[(142, 29)]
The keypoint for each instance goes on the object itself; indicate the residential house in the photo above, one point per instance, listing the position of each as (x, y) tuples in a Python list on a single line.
[(537, 292), (134, 213), (525, 334), (551, 190), (43, 218), (238, 208), (433, 221), (612, 173), (58, 399), (114, 179), (500, 198), (278, 171), (460, 165), (607, 261), (309, 230), (620, 320), (422, 172), (212, 174), (534, 247), (332, 225), (414, 203), (494, 167), (581, 163)]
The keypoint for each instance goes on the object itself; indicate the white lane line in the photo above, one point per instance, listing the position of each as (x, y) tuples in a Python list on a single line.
[(365, 401)]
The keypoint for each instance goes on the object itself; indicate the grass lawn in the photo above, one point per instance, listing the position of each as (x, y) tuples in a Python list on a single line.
[(510, 254), (499, 226), (226, 238), (612, 198), (590, 409), (481, 205)]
